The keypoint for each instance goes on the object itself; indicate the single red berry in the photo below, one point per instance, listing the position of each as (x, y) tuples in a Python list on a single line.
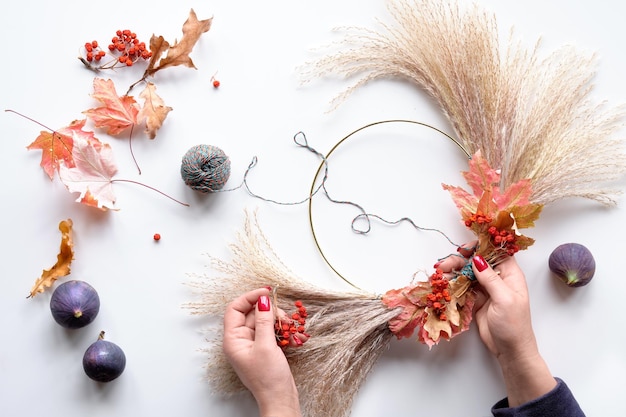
[(216, 83), (157, 237)]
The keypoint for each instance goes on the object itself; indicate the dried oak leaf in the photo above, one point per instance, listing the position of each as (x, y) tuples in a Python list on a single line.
[(64, 259), (118, 113), (178, 53), (57, 146), (154, 110), (91, 175)]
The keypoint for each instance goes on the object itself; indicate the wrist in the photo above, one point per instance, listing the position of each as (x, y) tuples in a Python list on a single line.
[(526, 376), (280, 405)]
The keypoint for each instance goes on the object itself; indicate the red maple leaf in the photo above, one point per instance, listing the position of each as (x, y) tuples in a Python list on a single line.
[(57, 146), (117, 114)]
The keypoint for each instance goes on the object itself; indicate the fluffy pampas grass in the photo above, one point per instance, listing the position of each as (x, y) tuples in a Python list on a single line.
[(530, 117), (348, 330)]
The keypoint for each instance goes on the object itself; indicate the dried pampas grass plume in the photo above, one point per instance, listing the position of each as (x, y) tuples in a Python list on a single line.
[(530, 117), (349, 330)]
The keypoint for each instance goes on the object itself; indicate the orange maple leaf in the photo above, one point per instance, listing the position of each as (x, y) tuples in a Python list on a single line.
[(154, 110), (118, 112), (91, 175), (56, 146), (178, 53), (62, 267)]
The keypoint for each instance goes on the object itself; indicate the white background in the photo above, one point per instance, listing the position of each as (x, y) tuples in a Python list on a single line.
[(255, 48)]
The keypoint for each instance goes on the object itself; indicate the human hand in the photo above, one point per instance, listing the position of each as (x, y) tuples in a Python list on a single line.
[(502, 309), (250, 347), (502, 314)]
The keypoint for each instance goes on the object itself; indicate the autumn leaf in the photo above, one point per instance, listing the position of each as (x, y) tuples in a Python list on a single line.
[(480, 175), (178, 53), (411, 316), (117, 114), (154, 110), (62, 266), (56, 146), (416, 304), (91, 175), (488, 199)]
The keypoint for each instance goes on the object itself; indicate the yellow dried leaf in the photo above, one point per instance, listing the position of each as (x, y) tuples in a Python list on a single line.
[(64, 259), (154, 110)]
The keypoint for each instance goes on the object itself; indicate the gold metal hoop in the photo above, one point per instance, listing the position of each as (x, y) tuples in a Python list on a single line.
[(323, 165)]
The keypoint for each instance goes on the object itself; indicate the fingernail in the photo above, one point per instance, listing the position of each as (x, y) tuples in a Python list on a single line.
[(306, 334), (437, 264), (268, 288), (480, 263), (298, 341), (264, 303)]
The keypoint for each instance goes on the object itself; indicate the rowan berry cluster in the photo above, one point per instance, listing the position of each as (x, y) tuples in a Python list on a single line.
[(124, 43), (439, 298), (478, 218), (504, 239), (93, 52), (286, 329)]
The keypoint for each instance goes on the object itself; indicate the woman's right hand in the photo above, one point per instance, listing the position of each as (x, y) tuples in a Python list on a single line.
[(502, 314)]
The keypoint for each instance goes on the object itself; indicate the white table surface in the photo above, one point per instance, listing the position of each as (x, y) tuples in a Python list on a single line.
[(259, 106)]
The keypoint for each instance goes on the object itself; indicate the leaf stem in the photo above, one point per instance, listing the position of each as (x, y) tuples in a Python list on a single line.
[(151, 188), (28, 118), (130, 146)]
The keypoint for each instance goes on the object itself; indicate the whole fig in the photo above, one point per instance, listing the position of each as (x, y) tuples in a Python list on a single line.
[(104, 361), (74, 304), (573, 264)]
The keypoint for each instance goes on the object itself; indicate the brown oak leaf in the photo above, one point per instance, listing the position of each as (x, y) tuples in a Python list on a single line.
[(178, 53), (154, 110), (64, 259)]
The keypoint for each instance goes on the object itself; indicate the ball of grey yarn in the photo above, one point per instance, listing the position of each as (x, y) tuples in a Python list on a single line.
[(205, 168)]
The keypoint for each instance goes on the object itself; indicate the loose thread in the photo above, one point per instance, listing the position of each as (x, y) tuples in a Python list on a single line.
[(206, 169)]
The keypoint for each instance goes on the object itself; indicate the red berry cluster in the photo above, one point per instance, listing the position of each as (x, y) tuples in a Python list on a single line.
[(286, 330), (126, 43), (93, 52), (504, 239), (439, 298), (478, 218)]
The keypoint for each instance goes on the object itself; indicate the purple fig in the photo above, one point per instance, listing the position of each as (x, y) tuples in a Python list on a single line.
[(104, 361), (74, 304), (573, 264)]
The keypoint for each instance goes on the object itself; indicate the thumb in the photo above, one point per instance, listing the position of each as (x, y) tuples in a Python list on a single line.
[(264, 321), (488, 278)]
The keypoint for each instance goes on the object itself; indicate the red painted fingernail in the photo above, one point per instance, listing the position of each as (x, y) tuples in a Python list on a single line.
[(306, 334), (264, 303), (268, 288), (298, 341), (480, 263), (437, 264)]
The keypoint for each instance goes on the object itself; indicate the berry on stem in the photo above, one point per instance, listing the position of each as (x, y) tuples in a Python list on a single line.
[(286, 331)]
